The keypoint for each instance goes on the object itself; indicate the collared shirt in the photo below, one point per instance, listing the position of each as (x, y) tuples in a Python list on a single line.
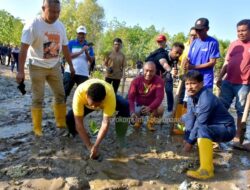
[(80, 63), (152, 96), (201, 52), (204, 109)]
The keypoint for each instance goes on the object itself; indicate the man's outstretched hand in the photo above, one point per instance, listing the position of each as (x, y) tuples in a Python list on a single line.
[(93, 152)]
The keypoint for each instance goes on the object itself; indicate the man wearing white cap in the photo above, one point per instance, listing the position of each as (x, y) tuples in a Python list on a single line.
[(81, 55)]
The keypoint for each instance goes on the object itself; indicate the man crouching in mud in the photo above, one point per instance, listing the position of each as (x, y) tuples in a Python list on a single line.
[(206, 120), (94, 94)]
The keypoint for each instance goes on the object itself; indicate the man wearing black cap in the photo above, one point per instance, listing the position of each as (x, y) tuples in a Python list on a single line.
[(203, 53)]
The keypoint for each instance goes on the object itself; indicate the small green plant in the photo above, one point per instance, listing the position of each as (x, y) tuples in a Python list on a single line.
[(181, 127), (93, 127)]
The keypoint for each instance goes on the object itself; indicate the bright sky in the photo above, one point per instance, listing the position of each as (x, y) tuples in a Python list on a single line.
[(171, 15)]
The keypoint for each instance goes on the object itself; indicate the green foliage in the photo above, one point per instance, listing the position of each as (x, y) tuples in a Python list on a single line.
[(93, 127), (137, 42), (97, 74), (87, 13), (223, 45), (179, 37), (11, 28)]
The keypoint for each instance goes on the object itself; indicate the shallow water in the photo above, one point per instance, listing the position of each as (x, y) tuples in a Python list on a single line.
[(15, 130)]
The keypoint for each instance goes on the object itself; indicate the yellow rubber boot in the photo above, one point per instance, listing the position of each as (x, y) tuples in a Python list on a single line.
[(60, 115), (138, 123), (151, 122), (206, 169), (36, 114)]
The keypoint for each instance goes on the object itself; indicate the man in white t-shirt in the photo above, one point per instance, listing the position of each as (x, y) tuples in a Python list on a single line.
[(81, 54), (44, 38)]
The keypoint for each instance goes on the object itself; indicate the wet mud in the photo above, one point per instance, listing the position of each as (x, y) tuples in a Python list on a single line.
[(145, 160)]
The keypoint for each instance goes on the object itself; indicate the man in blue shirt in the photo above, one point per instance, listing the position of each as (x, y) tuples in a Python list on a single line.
[(206, 120), (81, 54), (203, 53)]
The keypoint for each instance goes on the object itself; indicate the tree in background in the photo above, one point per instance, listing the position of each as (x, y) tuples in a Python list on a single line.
[(11, 28), (87, 13), (179, 37), (223, 46), (138, 42)]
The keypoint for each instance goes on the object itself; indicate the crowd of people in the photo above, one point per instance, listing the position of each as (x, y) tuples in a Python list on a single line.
[(9, 56), (207, 118)]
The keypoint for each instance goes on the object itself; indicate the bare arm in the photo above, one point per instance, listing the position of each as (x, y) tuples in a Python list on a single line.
[(101, 134), (106, 61), (22, 58), (83, 50), (223, 71), (76, 54), (67, 56), (82, 131), (89, 58), (209, 64), (165, 64), (103, 130)]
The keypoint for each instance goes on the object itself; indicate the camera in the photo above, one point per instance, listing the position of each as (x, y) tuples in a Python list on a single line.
[(110, 70), (21, 88)]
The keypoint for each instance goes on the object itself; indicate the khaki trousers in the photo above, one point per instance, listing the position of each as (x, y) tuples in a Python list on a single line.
[(53, 76)]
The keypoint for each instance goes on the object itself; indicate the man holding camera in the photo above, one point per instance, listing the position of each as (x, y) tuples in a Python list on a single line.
[(115, 63), (81, 55), (44, 38)]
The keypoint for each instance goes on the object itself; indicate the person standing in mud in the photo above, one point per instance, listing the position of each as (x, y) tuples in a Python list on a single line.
[(203, 53), (236, 68), (145, 96), (44, 38), (206, 120), (14, 54), (115, 64), (82, 55), (95, 94), (166, 60)]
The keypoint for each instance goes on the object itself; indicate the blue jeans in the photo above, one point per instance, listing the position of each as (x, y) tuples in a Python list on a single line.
[(122, 107), (239, 91), (169, 84), (217, 133)]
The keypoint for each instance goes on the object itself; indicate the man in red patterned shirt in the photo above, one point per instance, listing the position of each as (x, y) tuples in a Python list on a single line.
[(145, 96)]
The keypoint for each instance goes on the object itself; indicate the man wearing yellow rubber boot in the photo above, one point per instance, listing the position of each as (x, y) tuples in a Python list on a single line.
[(44, 38), (206, 121), (145, 96)]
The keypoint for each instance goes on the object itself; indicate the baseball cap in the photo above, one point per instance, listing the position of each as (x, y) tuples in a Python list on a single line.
[(201, 24), (161, 38), (81, 29)]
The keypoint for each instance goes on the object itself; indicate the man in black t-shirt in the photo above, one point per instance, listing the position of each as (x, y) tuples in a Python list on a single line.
[(166, 59), (173, 56)]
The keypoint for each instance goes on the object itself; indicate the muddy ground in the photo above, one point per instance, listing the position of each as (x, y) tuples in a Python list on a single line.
[(55, 162)]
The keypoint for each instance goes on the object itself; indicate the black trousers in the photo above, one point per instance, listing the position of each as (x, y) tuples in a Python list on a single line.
[(122, 107), (115, 83)]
